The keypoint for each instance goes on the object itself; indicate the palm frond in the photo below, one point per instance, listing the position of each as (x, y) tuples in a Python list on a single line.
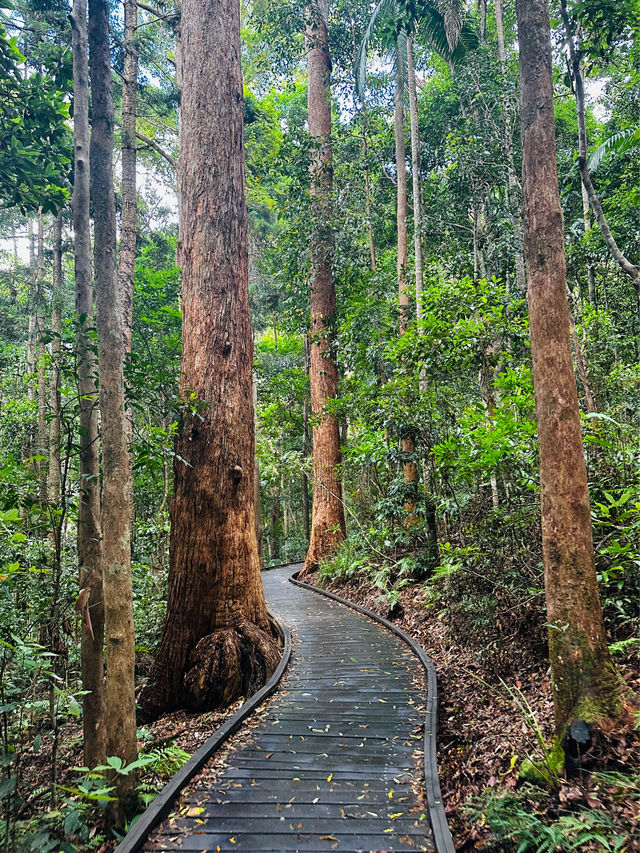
[(451, 12), (617, 144), (402, 61), (384, 9), (433, 27)]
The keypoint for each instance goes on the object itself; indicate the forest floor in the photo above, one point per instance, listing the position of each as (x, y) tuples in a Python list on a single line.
[(484, 734), (485, 731)]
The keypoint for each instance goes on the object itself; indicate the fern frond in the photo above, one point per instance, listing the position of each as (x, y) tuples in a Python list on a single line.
[(619, 143)]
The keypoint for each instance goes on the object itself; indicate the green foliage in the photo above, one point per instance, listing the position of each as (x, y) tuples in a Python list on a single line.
[(520, 823), (35, 141)]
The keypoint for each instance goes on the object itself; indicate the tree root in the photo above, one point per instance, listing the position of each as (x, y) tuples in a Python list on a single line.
[(229, 663)]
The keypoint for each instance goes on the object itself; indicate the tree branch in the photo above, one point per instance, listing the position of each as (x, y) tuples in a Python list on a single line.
[(150, 143)]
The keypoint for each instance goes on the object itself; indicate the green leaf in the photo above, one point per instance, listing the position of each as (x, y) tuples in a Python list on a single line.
[(7, 787)]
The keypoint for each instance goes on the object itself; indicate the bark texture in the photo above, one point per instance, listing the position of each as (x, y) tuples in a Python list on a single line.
[(512, 187), (54, 378), (217, 642), (328, 527), (116, 470), (415, 175), (43, 402), (89, 529), (129, 227), (407, 442), (584, 681)]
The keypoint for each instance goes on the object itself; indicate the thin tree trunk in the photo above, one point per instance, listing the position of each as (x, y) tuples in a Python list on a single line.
[(512, 187), (367, 193), (43, 438), (409, 467), (116, 470), (257, 500), (129, 229), (585, 684), (54, 378), (328, 527), (415, 174), (306, 448), (591, 279), (632, 270), (89, 529), (582, 368), (217, 643)]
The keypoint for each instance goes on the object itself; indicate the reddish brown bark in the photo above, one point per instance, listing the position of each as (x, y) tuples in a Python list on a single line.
[(584, 682), (328, 527), (89, 530), (116, 470), (217, 642)]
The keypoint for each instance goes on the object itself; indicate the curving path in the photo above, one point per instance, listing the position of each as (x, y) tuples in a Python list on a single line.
[(337, 762)]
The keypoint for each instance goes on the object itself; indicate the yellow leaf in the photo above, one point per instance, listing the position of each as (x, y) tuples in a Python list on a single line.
[(329, 777), (194, 811)]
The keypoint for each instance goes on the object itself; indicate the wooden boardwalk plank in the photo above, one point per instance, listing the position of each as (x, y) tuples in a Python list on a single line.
[(336, 764)]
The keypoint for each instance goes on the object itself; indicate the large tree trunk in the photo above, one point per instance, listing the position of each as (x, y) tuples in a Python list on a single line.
[(632, 270), (217, 643), (89, 530), (584, 681), (328, 527), (116, 470), (409, 467)]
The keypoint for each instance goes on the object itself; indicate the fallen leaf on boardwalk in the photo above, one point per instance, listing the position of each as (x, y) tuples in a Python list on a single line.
[(328, 838), (329, 777), (194, 811)]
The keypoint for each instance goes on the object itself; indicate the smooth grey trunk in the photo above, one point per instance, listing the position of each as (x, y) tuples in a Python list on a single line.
[(89, 529)]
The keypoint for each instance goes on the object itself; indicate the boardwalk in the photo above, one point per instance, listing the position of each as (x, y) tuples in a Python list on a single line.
[(337, 762)]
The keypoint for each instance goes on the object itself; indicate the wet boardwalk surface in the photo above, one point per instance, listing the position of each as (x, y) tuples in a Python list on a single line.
[(336, 763)]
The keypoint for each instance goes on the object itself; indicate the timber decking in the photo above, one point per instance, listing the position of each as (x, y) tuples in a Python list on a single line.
[(336, 764)]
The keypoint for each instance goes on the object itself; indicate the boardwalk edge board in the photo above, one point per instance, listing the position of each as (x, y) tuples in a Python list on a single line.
[(437, 816), (161, 806)]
